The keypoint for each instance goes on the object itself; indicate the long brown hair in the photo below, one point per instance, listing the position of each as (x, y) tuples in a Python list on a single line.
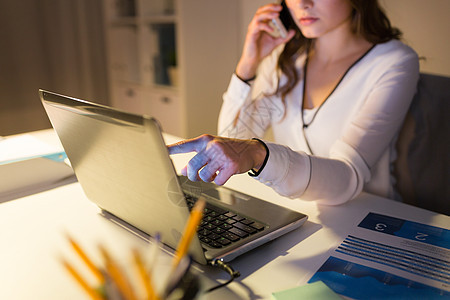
[(368, 20)]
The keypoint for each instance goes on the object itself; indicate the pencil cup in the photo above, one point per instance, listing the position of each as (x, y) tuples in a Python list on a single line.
[(183, 284)]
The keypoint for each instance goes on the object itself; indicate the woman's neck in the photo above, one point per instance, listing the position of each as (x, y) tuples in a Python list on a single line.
[(337, 45)]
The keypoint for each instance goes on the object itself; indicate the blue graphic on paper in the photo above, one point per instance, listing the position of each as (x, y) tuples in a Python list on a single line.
[(58, 157), (361, 282), (407, 229)]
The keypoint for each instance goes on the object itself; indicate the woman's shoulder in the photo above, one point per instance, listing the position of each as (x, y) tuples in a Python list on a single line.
[(389, 56), (395, 51)]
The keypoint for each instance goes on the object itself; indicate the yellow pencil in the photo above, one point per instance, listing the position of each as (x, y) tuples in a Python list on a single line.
[(189, 231), (145, 277), (86, 260), (90, 291), (117, 276)]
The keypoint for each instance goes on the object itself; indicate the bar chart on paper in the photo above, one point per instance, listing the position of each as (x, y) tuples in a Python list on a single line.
[(390, 257)]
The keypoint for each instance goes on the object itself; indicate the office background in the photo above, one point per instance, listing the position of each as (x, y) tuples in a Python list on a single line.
[(60, 45)]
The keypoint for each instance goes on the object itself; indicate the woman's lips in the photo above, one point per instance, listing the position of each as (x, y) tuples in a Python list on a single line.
[(307, 20)]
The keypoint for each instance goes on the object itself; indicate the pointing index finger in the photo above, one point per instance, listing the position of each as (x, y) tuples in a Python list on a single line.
[(196, 144)]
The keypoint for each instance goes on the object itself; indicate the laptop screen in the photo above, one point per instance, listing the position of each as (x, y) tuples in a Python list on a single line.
[(123, 166)]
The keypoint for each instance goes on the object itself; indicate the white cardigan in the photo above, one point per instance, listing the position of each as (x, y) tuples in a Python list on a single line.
[(352, 134)]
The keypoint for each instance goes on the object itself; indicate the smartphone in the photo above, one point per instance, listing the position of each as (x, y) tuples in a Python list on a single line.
[(284, 22), (280, 30)]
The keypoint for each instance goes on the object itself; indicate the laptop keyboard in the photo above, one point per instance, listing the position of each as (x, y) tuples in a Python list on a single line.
[(220, 227)]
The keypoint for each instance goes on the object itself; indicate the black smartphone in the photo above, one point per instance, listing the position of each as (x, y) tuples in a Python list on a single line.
[(284, 22), (285, 16)]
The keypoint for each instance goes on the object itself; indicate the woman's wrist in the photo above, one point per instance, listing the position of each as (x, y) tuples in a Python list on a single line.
[(246, 80), (261, 155), (245, 72)]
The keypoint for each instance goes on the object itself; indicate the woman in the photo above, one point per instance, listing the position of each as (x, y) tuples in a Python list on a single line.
[(334, 92)]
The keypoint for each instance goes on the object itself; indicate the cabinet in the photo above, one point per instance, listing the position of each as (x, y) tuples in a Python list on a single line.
[(172, 59)]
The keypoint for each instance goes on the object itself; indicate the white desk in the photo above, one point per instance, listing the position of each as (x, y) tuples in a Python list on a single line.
[(32, 238)]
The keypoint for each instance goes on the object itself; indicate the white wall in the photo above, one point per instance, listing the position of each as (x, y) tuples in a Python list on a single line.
[(426, 28), (248, 9)]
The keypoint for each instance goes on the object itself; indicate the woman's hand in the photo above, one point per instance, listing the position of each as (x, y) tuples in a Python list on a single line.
[(259, 42), (218, 158)]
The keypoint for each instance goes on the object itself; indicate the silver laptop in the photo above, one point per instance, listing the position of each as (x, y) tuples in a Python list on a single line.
[(123, 166)]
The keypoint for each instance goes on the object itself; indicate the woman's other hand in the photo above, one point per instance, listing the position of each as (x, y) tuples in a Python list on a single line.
[(259, 42), (218, 158)]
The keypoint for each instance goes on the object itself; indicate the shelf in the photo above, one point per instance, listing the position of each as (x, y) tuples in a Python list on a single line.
[(121, 21), (154, 87), (164, 88), (157, 19), (161, 19), (148, 41)]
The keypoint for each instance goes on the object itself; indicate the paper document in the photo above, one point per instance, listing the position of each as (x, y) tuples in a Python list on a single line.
[(28, 165), (23, 147), (390, 257)]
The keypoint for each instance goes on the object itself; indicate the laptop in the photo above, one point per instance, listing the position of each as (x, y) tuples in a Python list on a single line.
[(122, 164)]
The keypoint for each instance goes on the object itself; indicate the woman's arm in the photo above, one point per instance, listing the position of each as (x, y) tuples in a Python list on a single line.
[(259, 41), (342, 175), (247, 109), (244, 109), (219, 158)]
